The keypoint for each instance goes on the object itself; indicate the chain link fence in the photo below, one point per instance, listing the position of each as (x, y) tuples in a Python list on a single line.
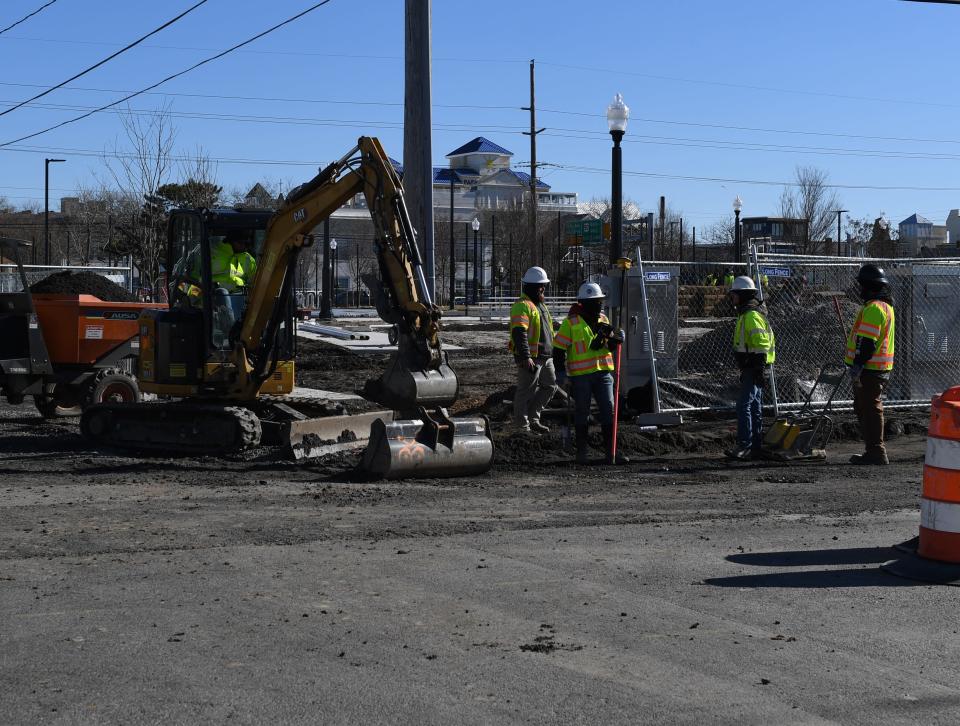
[(811, 303)]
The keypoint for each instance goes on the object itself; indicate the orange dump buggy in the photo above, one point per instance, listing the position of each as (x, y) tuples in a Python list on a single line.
[(67, 351)]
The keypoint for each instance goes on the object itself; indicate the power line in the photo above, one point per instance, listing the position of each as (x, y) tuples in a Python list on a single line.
[(27, 17), (105, 60), (762, 182), (175, 75)]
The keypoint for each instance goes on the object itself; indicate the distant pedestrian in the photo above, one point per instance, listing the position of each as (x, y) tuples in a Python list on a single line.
[(531, 342), (869, 355), (581, 350), (754, 348)]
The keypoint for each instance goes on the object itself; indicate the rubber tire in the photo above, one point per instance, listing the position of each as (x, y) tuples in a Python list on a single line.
[(393, 335), (112, 385), (58, 402)]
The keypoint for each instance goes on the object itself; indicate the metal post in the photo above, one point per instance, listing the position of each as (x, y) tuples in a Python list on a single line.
[(453, 252), (46, 207), (493, 255), (758, 279), (325, 298)]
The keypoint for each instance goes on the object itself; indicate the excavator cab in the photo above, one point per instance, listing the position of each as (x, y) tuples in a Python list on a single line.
[(212, 256)]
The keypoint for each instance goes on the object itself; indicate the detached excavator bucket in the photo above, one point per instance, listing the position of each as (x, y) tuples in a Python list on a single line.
[(432, 445), (402, 386)]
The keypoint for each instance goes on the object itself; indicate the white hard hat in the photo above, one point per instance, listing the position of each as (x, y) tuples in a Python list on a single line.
[(535, 276), (589, 291), (743, 283)]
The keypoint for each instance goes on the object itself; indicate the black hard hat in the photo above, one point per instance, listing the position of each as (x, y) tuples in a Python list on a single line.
[(872, 275)]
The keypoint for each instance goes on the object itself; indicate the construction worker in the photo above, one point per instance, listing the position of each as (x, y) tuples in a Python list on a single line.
[(754, 348), (727, 278), (581, 350), (531, 342), (710, 280), (869, 355), (232, 267)]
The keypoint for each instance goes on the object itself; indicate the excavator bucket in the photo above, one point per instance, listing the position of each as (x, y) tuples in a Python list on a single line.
[(403, 387), (432, 445)]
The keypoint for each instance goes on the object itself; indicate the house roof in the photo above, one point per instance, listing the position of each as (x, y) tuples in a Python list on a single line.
[(479, 145), (461, 175), (397, 166), (916, 219), (525, 178)]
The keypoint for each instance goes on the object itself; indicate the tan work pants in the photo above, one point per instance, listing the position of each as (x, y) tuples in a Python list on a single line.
[(869, 408), (534, 391)]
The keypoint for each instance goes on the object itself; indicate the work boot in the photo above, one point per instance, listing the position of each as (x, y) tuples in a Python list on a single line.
[(741, 453), (519, 425), (582, 444), (607, 441), (537, 427), (871, 457)]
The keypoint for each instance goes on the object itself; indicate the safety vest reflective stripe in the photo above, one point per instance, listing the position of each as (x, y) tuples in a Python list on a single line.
[(940, 516), (867, 328), (520, 321), (564, 341), (599, 362)]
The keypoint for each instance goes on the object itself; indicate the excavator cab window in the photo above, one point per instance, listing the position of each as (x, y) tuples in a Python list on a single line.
[(233, 265)]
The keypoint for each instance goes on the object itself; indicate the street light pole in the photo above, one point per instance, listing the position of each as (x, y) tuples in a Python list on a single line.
[(617, 115), (475, 224), (839, 214), (46, 207), (737, 206)]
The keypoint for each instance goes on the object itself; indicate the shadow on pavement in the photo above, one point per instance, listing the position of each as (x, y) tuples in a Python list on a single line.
[(815, 579), (800, 558)]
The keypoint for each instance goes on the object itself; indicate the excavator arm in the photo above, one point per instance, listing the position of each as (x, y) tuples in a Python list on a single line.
[(418, 375)]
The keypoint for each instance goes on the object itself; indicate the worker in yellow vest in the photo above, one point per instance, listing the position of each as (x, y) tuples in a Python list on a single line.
[(531, 342), (581, 351), (869, 355), (754, 347), (728, 278)]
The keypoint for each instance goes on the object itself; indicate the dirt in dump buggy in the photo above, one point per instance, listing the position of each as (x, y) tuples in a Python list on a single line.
[(82, 283)]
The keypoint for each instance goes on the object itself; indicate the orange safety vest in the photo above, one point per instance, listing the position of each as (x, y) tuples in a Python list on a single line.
[(876, 322), (575, 336)]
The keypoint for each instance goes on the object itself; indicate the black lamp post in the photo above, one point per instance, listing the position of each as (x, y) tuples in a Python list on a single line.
[(475, 224), (46, 207), (738, 251), (617, 114)]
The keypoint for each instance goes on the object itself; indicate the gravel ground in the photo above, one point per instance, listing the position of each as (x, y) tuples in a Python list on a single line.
[(678, 589)]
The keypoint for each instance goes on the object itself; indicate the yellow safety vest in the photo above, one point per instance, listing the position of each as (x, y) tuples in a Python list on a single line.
[(753, 334), (229, 269), (728, 280), (575, 336), (525, 314), (876, 322)]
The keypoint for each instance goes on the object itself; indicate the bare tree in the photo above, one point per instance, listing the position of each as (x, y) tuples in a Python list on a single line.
[(812, 199), (138, 172)]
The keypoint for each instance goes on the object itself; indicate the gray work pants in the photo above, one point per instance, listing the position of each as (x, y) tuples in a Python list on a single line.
[(534, 391)]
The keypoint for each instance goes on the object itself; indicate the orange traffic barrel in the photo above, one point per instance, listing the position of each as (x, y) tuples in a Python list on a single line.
[(940, 505)]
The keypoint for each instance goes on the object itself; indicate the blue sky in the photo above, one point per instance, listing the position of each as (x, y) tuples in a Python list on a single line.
[(730, 93)]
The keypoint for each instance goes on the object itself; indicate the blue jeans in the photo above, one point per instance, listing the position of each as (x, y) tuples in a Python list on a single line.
[(600, 386), (750, 412)]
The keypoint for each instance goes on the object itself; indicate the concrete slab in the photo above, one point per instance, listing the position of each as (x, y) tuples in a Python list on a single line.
[(378, 342), (302, 392)]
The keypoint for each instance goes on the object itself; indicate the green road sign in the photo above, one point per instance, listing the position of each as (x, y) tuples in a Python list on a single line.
[(584, 231)]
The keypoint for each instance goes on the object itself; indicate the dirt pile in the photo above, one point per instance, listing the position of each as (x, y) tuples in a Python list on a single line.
[(82, 283)]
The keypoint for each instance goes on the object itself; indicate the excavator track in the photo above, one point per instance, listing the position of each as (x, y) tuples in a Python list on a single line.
[(172, 428)]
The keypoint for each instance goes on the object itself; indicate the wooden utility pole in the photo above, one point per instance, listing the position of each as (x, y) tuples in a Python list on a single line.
[(417, 125), (532, 133)]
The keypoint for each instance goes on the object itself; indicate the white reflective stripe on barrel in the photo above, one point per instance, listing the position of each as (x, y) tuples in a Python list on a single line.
[(943, 453), (941, 516)]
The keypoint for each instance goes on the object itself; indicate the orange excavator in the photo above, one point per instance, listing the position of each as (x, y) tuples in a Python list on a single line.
[(228, 356)]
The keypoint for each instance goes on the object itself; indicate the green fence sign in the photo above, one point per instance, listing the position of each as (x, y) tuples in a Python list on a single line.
[(584, 231)]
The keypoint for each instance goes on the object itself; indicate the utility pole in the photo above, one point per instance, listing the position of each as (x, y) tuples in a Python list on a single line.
[(46, 207), (694, 243), (532, 133), (417, 151), (839, 213)]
